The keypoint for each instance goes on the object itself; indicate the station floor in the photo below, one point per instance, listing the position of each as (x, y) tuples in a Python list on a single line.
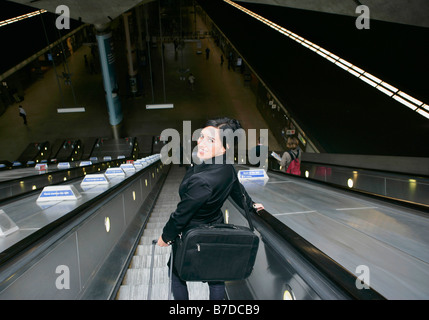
[(217, 92)]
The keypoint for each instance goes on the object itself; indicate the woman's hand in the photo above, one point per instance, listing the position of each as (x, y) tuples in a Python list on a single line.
[(258, 206), (161, 242)]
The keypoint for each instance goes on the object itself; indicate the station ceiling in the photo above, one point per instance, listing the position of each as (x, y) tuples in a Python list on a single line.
[(411, 12), (99, 12)]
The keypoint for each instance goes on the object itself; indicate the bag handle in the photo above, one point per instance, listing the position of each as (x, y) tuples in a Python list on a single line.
[(221, 225)]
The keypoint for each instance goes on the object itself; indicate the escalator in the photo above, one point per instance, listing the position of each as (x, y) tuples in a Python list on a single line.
[(317, 242), (64, 249), (135, 285), (313, 239)]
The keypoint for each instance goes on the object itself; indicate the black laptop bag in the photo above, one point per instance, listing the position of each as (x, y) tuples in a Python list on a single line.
[(217, 252)]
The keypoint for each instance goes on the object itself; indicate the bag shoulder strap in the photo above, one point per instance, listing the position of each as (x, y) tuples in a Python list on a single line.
[(293, 156), (243, 200)]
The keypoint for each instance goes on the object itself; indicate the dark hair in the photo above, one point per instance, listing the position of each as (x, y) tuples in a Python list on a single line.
[(224, 124), (293, 141)]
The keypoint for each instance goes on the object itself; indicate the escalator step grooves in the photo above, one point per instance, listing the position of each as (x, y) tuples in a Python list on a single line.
[(135, 284)]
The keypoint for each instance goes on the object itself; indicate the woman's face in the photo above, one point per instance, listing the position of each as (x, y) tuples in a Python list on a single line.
[(290, 144), (210, 143)]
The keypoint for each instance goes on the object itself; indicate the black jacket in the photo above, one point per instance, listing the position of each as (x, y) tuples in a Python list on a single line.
[(203, 190)]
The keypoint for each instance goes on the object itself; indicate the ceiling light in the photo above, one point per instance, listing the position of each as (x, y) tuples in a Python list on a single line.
[(356, 74), (384, 90), (354, 70), (21, 17), (370, 76), (405, 102), (423, 113), (410, 98), (370, 82), (388, 86)]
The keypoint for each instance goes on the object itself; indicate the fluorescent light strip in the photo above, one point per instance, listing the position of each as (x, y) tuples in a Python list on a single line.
[(356, 74), (373, 81), (370, 76), (331, 59), (70, 110), (423, 113), (370, 82), (345, 62), (404, 102), (341, 65), (324, 55), (410, 98), (357, 69), (160, 106), (388, 86), (22, 17), (384, 90)]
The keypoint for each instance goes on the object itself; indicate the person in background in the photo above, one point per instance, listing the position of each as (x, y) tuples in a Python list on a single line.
[(291, 159), (191, 81), (23, 114)]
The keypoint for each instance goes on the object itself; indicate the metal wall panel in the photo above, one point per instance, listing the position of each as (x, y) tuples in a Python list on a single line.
[(42, 279), (94, 241)]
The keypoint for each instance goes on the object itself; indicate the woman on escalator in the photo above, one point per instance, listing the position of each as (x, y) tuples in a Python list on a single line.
[(203, 190)]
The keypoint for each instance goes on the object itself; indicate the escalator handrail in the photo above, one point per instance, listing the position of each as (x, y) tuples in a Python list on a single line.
[(335, 272), (34, 239), (331, 269), (423, 208), (93, 168)]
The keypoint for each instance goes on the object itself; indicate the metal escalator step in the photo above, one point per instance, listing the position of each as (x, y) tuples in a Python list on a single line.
[(152, 232), (158, 220), (163, 213), (141, 276), (140, 292), (161, 204), (146, 241), (136, 281), (146, 250), (197, 291), (155, 225), (160, 260), (170, 195), (165, 208)]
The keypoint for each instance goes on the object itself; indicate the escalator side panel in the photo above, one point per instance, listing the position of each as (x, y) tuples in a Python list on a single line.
[(66, 263)]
